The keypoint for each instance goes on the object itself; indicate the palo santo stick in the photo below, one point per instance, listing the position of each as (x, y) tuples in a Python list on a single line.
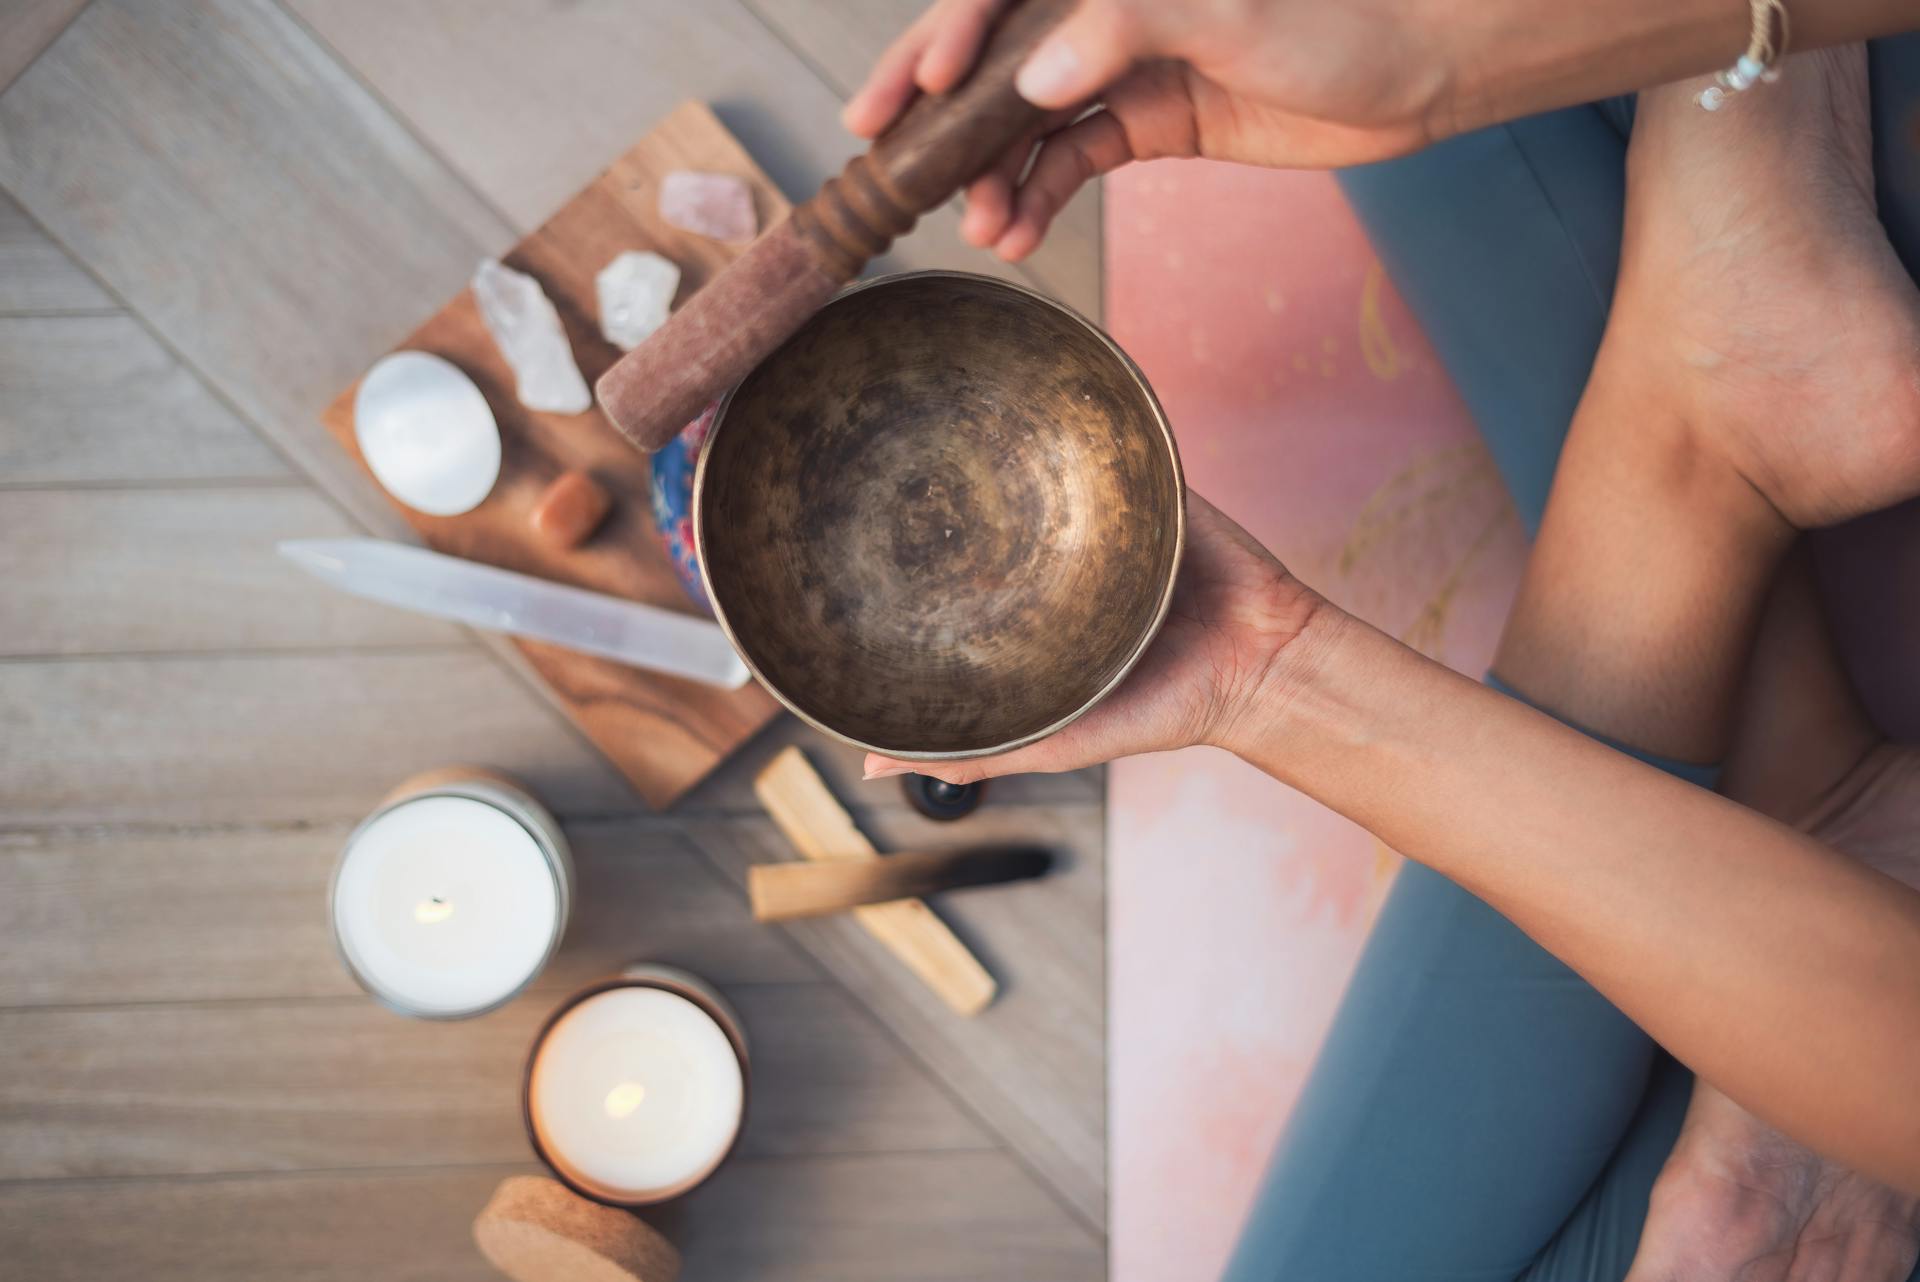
[(821, 829), (782, 892)]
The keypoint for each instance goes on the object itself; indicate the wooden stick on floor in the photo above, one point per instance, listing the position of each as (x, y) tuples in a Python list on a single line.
[(821, 829), (803, 888)]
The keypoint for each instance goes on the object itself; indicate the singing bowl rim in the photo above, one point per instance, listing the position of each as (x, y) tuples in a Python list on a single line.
[(1171, 451)]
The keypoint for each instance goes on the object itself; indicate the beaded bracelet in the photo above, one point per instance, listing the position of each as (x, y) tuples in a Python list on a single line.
[(1759, 62)]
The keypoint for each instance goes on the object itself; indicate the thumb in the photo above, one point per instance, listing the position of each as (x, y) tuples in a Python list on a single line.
[(1094, 47)]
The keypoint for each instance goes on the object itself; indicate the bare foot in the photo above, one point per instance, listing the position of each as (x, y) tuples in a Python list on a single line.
[(1763, 297), (1739, 1202)]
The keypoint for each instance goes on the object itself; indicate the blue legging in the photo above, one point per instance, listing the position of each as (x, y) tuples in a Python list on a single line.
[(1479, 1113)]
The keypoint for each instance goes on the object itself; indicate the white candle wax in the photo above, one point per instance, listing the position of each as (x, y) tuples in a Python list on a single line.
[(445, 905), (427, 433), (636, 1094)]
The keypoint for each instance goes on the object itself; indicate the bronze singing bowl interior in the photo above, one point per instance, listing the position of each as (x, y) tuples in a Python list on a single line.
[(944, 519)]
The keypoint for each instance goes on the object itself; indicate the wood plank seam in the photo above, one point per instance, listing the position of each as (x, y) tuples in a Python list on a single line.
[(505, 1167), (794, 947), (134, 485), (251, 654), (1007, 1145), (399, 117), (355, 999), (13, 833), (643, 823), (42, 50), (186, 363), (499, 650), (57, 313)]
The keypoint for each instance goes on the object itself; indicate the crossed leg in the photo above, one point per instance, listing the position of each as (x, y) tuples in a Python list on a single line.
[(1477, 1113), (1758, 375), (1736, 1199)]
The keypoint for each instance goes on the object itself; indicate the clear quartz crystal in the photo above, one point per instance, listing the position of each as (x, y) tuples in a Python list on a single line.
[(527, 328), (715, 205), (636, 292)]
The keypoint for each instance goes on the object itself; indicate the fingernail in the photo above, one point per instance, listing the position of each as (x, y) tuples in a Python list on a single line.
[(887, 772), (1049, 74)]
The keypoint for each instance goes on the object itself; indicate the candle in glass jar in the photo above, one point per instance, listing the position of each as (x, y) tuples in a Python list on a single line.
[(450, 898), (636, 1090)]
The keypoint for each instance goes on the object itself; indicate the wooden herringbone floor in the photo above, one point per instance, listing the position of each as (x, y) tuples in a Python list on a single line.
[(217, 213)]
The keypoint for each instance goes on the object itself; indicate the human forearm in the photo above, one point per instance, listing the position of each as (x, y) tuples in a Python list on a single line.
[(1785, 973), (1511, 58)]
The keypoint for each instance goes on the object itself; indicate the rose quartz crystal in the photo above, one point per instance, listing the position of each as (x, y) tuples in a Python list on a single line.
[(716, 205)]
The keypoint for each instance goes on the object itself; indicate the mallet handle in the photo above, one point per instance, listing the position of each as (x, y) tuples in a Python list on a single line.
[(755, 304)]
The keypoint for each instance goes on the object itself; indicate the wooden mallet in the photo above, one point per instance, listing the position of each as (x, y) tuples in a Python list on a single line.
[(938, 146)]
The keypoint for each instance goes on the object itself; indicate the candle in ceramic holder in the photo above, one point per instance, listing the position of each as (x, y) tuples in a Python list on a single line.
[(636, 1088), (451, 897)]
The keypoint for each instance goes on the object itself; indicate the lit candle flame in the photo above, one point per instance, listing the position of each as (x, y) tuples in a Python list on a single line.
[(429, 911), (624, 1098)]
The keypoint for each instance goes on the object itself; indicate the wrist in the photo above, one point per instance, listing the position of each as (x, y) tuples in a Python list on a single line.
[(1299, 631), (1505, 59)]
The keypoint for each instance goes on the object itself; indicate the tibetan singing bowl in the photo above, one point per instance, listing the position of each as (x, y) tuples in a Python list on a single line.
[(944, 519)]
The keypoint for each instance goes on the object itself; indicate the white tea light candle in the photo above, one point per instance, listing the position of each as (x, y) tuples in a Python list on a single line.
[(427, 433), (453, 895), (636, 1089)]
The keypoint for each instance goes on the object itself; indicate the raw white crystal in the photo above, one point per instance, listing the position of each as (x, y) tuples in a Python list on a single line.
[(716, 205), (636, 292), (522, 321)]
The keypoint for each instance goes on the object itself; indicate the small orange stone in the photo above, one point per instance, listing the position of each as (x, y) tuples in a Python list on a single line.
[(570, 510)]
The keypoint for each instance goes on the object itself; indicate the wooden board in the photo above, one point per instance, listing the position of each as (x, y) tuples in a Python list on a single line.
[(663, 734)]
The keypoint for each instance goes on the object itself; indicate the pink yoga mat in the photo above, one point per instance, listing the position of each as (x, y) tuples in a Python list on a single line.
[(1308, 407)]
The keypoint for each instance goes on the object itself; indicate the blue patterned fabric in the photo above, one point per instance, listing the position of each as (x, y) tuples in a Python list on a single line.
[(673, 469)]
